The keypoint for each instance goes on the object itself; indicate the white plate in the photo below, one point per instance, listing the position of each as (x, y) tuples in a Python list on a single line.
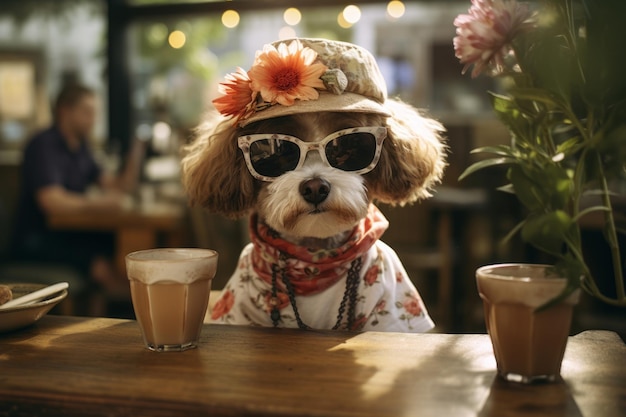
[(17, 317)]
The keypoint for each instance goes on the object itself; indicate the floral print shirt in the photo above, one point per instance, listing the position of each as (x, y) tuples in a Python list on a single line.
[(386, 299)]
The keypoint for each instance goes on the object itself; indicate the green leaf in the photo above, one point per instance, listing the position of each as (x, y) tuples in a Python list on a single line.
[(484, 164), (610, 238), (570, 146), (571, 269), (542, 184), (551, 61), (501, 103), (526, 190), (537, 94), (590, 210), (548, 231), (562, 186), (609, 143), (501, 150), (570, 287), (513, 232), (510, 114)]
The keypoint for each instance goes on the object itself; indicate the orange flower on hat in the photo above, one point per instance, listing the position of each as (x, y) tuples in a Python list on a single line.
[(288, 73), (238, 98)]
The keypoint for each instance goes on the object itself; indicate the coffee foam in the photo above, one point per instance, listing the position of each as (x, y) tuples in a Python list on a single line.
[(182, 266), (528, 285)]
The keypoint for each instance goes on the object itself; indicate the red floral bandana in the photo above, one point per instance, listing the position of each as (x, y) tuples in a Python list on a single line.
[(312, 271)]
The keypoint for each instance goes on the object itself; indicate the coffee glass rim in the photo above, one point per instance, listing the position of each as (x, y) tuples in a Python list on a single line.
[(491, 272), (202, 254)]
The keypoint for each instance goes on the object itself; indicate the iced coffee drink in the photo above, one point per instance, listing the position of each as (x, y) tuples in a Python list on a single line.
[(528, 344), (170, 291)]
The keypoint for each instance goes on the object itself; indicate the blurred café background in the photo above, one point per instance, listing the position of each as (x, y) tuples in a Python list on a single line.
[(155, 66)]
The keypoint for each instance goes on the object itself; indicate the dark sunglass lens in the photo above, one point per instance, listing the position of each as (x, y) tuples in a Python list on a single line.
[(351, 152), (274, 157)]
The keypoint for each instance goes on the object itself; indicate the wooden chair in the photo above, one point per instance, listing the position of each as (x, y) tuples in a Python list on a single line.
[(442, 255)]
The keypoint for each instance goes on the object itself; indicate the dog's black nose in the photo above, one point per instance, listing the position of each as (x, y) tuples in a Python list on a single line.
[(314, 190)]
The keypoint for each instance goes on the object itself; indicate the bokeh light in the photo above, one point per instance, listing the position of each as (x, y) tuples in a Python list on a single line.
[(292, 16), (352, 14), (157, 33), (177, 39), (286, 32), (395, 9), (161, 132), (143, 132), (230, 18), (342, 22)]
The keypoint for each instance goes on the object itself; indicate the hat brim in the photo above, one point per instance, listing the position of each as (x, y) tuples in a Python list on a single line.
[(327, 102)]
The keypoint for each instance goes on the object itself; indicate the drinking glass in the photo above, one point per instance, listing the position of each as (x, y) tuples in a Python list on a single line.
[(170, 291), (528, 344)]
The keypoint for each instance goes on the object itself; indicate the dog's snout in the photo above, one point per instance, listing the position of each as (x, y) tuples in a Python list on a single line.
[(315, 190)]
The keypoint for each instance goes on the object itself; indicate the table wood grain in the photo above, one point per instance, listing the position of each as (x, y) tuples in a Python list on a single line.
[(98, 367)]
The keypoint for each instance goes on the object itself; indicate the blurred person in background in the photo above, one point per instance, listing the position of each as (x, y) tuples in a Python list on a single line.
[(57, 169)]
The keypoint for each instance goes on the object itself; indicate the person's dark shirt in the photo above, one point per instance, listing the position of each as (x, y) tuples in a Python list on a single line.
[(49, 161)]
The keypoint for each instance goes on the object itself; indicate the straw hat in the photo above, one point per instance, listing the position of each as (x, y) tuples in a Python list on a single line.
[(302, 76)]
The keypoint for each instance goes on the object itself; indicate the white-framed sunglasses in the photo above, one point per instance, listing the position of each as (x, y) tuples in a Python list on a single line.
[(269, 155)]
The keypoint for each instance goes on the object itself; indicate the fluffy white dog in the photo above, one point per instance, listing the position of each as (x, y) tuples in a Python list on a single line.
[(306, 141)]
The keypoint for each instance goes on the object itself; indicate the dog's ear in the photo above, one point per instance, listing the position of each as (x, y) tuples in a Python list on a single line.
[(214, 171), (412, 159)]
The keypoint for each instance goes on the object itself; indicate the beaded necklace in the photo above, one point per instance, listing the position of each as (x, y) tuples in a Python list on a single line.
[(349, 295)]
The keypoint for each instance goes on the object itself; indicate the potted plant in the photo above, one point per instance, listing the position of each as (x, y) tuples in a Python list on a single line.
[(564, 103)]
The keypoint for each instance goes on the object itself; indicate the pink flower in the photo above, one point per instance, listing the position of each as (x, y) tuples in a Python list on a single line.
[(380, 306), (287, 74), (412, 306), (485, 34), (399, 276), (371, 275), (359, 323)]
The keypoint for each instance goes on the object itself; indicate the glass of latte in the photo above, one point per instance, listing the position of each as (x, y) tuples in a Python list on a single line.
[(170, 291), (528, 344)]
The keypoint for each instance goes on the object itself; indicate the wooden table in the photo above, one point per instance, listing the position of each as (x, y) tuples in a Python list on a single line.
[(135, 229), (98, 367)]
